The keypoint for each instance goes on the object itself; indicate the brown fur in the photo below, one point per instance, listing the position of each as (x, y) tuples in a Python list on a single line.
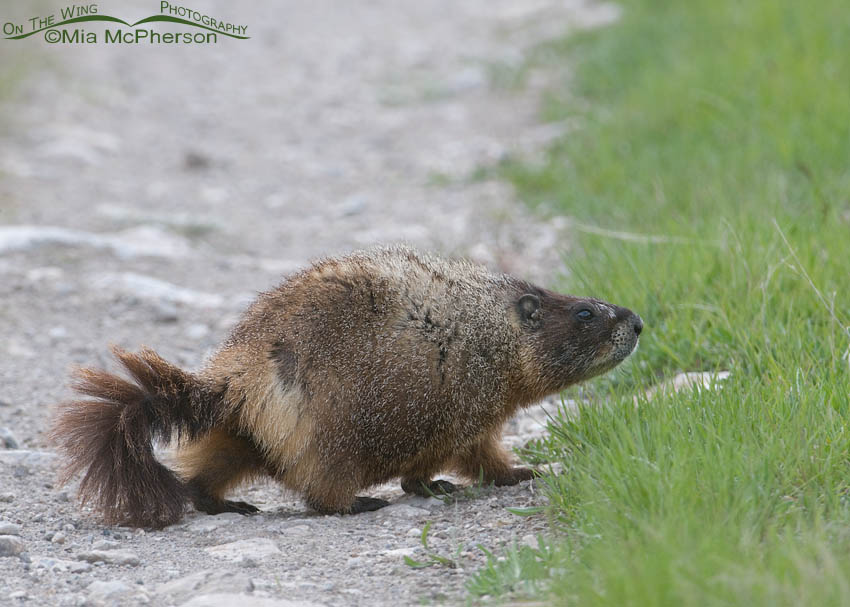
[(382, 364)]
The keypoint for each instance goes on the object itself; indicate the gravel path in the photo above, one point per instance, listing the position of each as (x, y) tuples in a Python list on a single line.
[(147, 192)]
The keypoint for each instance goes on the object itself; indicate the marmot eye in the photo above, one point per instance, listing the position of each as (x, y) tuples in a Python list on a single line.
[(584, 314)]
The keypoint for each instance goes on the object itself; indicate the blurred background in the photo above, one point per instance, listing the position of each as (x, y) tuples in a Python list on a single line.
[(148, 191)]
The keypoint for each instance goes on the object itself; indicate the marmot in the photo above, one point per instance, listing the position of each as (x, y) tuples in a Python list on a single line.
[(381, 364)]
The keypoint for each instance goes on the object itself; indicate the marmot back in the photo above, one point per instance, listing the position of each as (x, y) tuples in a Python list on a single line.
[(381, 364)]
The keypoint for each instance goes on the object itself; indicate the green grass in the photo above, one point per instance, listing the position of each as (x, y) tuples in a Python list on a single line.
[(709, 188)]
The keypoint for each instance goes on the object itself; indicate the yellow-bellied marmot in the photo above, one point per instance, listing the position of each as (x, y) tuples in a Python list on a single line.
[(380, 364)]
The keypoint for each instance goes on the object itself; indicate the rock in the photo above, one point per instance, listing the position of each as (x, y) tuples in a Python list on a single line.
[(102, 590), (150, 288), (58, 333), (135, 242), (105, 545), (45, 273), (7, 497), (399, 552), (61, 565), (9, 528), (165, 312), (297, 530), (7, 439), (25, 457), (422, 502), (58, 538), (11, 545), (257, 548), (197, 330), (530, 540), (691, 381), (230, 599), (112, 557), (403, 511), (205, 523), (414, 532), (195, 161), (353, 205), (206, 582)]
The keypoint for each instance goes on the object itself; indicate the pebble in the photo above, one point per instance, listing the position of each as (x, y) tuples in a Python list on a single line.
[(206, 582), (62, 565), (297, 530), (11, 545), (149, 288), (101, 590), (105, 545), (197, 331), (9, 528), (399, 552), (403, 511), (165, 312), (7, 439), (7, 497), (230, 599), (111, 557), (530, 540), (205, 523), (21, 457), (135, 242), (258, 548)]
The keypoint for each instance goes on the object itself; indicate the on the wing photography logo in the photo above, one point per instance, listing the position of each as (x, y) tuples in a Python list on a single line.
[(68, 26)]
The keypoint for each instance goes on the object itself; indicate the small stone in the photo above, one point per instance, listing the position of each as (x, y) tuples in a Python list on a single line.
[(9, 528), (11, 545), (530, 540), (25, 457), (205, 523), (60, 565), (230, 599), (205, 582), (194, 161), (105, 545), (297, 530), (111, 557), (7, 497), (102, 590), (58, 333), (59, 538), (197, 331), (7, 439), (424, 502), (414, 532), (399, 552), (257, 548), (403, 511), (165, 312), (18, 594)]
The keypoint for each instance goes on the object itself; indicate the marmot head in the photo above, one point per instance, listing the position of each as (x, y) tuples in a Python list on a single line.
[(569, 339)]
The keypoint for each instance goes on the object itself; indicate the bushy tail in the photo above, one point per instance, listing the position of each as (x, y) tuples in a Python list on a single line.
[(109, 435)]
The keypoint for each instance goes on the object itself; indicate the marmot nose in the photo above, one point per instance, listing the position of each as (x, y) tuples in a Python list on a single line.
[(637, 324)]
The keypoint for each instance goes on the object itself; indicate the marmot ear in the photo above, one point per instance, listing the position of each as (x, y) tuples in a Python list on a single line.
[(529, 309)]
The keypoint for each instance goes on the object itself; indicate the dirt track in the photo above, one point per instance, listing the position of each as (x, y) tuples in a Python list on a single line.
[(146, 192)]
